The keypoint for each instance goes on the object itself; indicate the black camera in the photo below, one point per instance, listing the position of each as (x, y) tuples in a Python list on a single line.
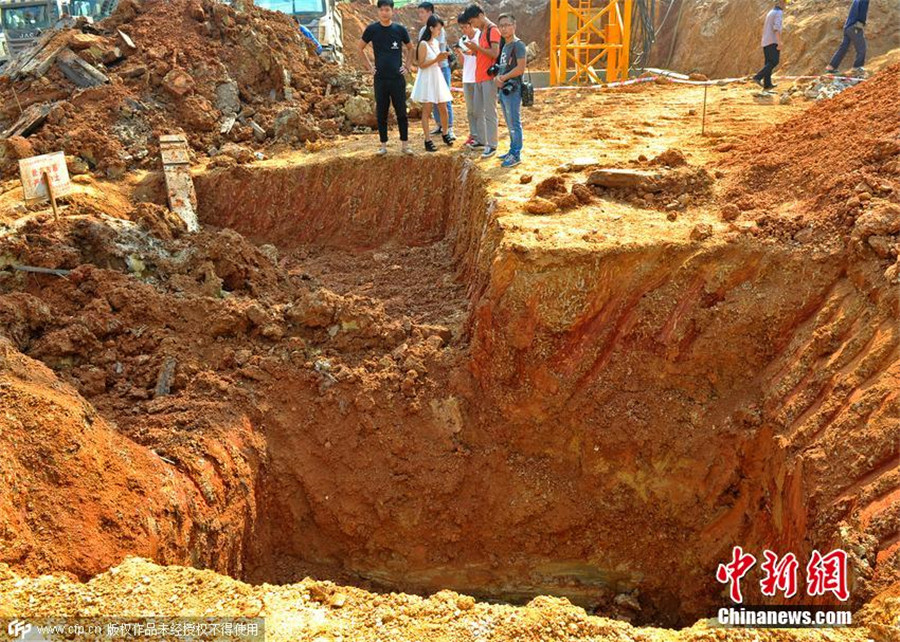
[(509, 87), (493, 70)]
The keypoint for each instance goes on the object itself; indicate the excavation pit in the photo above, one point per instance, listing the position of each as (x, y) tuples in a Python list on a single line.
[(608, 421)]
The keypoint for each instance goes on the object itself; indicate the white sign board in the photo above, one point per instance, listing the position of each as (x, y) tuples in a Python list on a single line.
[(32, 172)]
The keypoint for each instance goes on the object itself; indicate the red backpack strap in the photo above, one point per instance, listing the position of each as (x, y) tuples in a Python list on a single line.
[(496, 30)]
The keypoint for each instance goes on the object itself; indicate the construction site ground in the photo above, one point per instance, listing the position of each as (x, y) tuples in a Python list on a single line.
[(432, 375)]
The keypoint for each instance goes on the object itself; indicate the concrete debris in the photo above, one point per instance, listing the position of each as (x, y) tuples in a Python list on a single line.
[(166, 374), (827, 87), (622, 178), (228, 100)]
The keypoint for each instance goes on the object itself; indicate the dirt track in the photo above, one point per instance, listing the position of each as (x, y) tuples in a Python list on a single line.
[(388, 374)]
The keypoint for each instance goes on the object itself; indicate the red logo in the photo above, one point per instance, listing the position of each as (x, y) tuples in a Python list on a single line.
[(740, 563), (780, 575), (826, 573)]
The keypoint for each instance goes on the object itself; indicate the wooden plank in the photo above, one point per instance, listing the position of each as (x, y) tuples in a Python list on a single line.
[(627, 178), (14, 69), (30, 120), (179, 185), (40, 64), (78, 71)]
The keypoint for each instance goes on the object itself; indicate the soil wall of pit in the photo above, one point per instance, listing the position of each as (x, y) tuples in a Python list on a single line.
[(346, 204), (622, 422)]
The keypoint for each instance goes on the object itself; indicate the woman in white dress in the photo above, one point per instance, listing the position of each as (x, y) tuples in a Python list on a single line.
[(430, 87)]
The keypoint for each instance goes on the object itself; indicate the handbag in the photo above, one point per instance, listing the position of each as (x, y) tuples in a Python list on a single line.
[(527, 92)]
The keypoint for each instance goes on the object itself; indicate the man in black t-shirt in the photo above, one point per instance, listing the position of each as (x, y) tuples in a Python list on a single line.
[(389, 40)]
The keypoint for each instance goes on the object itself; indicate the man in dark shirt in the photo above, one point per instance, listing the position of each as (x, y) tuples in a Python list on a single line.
[(389, 40), (854, 31)]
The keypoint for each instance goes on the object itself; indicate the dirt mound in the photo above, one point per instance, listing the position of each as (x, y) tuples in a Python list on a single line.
[(325, 611), (722, 38), (827, 166), (219, 74)]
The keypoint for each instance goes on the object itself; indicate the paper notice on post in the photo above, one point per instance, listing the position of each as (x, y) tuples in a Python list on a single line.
[(32, 172)]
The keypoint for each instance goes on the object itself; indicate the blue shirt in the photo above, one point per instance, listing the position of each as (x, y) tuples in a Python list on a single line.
[(859, 11)]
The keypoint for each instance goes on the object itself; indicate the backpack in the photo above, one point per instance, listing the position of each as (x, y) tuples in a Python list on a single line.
[(487, 39), (527, 92)]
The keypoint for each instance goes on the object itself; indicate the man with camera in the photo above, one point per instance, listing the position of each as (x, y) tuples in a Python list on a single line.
[(486, 49), (469, 33), (509, 81)]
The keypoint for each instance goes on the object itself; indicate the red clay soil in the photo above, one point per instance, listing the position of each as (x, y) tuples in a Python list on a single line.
[(185, 50), (602, 424), (597, 417), (823, 167)]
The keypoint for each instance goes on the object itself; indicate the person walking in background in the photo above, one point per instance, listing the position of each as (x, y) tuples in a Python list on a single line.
[(430, 87), (509, 83), (486, 50), (470, 34), (854, 31), (388, 40), (771, 45), (425, 11)]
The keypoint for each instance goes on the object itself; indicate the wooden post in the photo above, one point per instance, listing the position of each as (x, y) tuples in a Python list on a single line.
[(51, 195), (703, 126)]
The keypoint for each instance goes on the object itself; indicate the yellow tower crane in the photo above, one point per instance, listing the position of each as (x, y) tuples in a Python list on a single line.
[(585, 35)]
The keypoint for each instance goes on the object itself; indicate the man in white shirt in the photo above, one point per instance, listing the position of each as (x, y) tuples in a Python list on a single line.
[(771, 44), (475, 139)]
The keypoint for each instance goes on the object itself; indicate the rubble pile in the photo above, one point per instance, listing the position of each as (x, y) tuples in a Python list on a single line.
[(831, 164), (225, 76)]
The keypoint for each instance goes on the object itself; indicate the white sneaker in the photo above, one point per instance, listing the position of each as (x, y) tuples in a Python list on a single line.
[(406, 149), (382, 151)]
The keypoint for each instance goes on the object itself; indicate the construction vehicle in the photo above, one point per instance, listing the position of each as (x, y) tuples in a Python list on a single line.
[(319, 16), (4, 50), (24, 21)]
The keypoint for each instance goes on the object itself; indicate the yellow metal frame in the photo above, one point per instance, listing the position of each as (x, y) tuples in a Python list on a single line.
[(582, 34)]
